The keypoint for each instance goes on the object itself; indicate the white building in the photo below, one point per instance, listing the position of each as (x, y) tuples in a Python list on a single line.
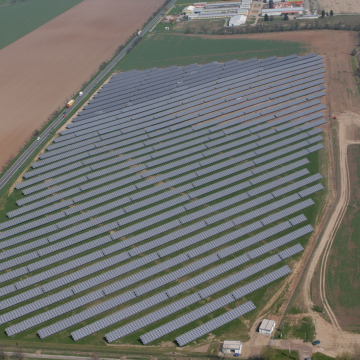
[(237, 20), (230, 346), (282, 11), (267, 327), (219, 10), (188, 10), (223, 4)]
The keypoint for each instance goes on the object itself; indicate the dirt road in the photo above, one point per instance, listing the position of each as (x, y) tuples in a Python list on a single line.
[(333, 339), (42, 70)]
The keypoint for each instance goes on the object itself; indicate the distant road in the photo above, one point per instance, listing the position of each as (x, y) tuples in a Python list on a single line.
[(31, 151)]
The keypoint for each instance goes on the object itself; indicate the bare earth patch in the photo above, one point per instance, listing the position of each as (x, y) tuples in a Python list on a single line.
[(340, 6), (42, 70)]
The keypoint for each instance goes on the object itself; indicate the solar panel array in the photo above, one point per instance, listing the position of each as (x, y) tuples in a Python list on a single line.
[(215, 323), (165, 174)]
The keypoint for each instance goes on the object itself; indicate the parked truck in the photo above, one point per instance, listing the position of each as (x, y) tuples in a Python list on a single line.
[(70, 103)]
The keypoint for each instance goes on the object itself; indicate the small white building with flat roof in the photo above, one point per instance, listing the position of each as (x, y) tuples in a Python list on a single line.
[(230, 346), (267, 327)]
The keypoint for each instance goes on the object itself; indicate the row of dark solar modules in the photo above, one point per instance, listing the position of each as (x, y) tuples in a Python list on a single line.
[(104, 240), (231, 90), (202, 95), (214, 231), (173, 308), (165, 227), (265, 234), (260, 239), (171, 82), (218, 195), (201, 79), (230, 83), (313, 81), (220, 90), (245, 273), (143, 152), (184, 219), (158, 162), (146, 183), (207, 75)]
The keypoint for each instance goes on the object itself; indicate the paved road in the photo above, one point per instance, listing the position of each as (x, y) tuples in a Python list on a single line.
[(32, 150)]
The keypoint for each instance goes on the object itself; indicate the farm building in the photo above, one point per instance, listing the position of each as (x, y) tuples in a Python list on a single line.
[(307, 17), (267, 327), (217, 15), (188, 10), (218, 10), (231, 346), (202, 4), (237, 20), (223, 4), (282, 11)]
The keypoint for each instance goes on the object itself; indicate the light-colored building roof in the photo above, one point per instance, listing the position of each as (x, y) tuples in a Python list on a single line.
[(237, 20), (223, 4), (220, 9), (284, 10), (231, 345), (267, 325)]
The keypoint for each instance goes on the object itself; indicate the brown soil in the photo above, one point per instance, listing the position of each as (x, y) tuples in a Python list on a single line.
[(42, 70), (340, 6)]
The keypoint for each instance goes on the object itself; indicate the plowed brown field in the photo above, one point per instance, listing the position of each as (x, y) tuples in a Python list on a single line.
[(44, 68)]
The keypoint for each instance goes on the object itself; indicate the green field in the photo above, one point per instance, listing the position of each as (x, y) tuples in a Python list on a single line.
[(342, 277), (161, 50), (17, 20)]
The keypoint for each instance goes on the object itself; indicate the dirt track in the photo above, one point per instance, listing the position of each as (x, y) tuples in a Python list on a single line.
[(40, 71), (333, 339)]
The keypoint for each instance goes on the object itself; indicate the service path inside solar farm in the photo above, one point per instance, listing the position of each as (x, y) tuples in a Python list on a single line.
[(42, 70), (175, 191)]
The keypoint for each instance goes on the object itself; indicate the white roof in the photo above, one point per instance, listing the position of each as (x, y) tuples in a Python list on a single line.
[(267, 325), (237, 20), (288, 9), (224, 4), (220, 9), (232, 345)]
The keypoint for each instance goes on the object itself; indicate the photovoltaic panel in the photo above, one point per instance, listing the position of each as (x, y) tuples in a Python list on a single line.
[(210, 325)]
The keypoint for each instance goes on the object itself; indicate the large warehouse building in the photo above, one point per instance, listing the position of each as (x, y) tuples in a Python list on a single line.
[(282, 11), (239, 10)]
